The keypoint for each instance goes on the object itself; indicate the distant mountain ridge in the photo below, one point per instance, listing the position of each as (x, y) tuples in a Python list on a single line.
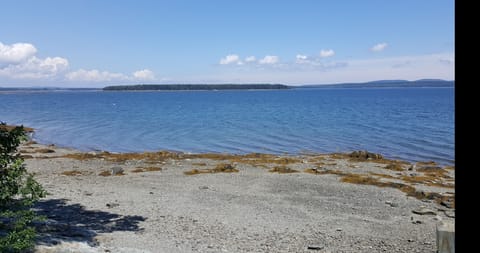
[(387, 84)]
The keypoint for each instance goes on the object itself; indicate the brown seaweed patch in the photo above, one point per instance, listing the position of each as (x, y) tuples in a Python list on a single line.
[(369, 180), (107, 173), (224, 167), (81, 156), (10, 128), (363, 155), (381, 175), (72, 173), (429, 180), (211, 156), (449, 168), (360, 179), (427, 163), (26, 156), (138, 170), (199, 164), (152, 168), (264, 159), (220, 168), (194, 172), (44, 150), (319, 171), (282, 170), (394, 166), (338, 156)]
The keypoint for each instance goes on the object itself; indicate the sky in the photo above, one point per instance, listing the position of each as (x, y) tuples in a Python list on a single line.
[(91, 43)]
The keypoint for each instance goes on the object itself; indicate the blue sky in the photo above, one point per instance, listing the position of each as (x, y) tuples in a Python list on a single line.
[(93, 43)]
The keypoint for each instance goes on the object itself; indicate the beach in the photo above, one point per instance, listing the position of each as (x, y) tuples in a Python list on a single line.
[(176, 202)]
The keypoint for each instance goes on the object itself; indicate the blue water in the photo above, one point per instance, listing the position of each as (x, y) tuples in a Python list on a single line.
[(402, 123)]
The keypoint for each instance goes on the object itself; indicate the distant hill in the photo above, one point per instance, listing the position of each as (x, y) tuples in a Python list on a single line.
[(167, 87), (387, 84)]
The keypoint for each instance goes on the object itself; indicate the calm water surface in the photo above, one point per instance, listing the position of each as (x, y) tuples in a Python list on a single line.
[(406, 123)]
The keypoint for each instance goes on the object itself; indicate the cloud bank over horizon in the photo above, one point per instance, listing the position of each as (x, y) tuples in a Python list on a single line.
[(20, 66)]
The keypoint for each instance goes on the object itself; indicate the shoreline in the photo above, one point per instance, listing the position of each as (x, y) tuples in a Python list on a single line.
[(176, 202)]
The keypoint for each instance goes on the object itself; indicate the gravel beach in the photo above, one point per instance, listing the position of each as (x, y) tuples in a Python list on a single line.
[(170, 202)]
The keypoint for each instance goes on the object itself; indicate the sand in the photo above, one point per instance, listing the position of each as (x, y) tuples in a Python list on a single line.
[(153, 206)]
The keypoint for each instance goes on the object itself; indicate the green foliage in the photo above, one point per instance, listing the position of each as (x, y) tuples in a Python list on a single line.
[(18, 192)]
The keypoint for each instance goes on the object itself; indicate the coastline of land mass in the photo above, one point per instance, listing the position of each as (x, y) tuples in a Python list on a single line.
[(423, 83), (163, 87), (177, 202)]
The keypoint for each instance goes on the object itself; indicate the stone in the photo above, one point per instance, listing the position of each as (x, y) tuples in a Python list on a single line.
[(365, 155), (112, 205), (424, 211), (116, 170), (390, 203), (446, 237), (315, 247)]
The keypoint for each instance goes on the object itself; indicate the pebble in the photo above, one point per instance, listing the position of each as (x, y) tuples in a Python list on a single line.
[(112, 205), (390, 203), (315, 247)]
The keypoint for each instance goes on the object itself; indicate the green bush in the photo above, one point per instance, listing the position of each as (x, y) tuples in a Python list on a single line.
[(18, 192)]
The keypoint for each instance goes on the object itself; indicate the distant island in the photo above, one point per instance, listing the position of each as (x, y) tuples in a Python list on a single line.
[(168, 87), (422, 83)]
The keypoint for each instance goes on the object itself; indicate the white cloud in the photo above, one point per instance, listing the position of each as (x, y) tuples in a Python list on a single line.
[(144, 74), (94, 76), (35, 68), (326, 53), (16, 53), (411, 67), (231, 58), (250, 59), (269, 59), (301, 57), (379, 47)]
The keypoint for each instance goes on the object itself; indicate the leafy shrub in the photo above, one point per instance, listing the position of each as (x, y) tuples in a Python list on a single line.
[(18, 192)]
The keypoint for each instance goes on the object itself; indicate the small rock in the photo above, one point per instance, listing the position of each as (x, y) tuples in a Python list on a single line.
[(390, 203), (116, 170), (339, 229), (410, 240), (203, 187), (315, 247), (417, 222), (424, 211), (112, 205), (150, 192)]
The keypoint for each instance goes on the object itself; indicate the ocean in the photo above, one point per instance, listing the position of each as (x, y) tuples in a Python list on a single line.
[(413, 124)]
